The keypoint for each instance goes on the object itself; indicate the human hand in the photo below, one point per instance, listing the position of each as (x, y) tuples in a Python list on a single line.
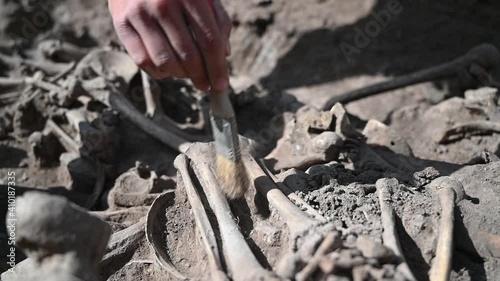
[(179, 38)]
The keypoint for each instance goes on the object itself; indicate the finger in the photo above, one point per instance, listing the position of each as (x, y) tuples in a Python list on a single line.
[(224, 22), (170, 18), (134, 46), (210, 41), (157, 45)]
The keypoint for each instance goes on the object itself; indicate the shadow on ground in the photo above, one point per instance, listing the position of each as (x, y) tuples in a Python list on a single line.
[(424, 33)]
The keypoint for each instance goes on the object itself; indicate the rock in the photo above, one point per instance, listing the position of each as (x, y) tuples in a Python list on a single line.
[(289, 265), (263, 2), (269, 233), (79, 172), (425, 176), (62, 241), (295, 180), (485, 95), (372, 249), (474, 234), (44, 149)]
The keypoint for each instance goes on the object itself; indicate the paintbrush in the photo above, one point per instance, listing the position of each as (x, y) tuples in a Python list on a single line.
[(231, 171)]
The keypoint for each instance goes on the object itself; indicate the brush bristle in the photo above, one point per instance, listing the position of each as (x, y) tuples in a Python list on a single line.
[(232, 177)]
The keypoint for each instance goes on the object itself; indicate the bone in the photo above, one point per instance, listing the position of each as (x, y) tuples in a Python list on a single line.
[(131, 189), (102, 91), (297, 221), (115, 70), (155, 112), (47, 67), (125, 216), (473, 127), (202, 221), (67, 142), (71, 146), (485, 55), (98, 139), (389, 235), (331, 242), (308, 209), (308, 149), (123, 242), (151, 97), (36, 80), (61, 51), (50, 229), (158, 245), (449, 191), (241, 262)]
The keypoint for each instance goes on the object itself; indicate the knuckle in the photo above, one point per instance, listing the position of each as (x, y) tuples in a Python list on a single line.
[(135, 13), (210, 42), (142, 61), (162, 60), (121, 25), (187, 54), (161, 5)]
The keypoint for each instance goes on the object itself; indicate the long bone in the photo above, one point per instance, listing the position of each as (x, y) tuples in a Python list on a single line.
[(389, 235), (241, 261), (449, 191), (201, 219), (111, 97), (486, 56), (110, 65), (297, 221)]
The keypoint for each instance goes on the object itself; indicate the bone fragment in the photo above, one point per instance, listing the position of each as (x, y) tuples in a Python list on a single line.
[(155, 111), (62, 51), (308, 209), (476, 127), (123, 243), (389, 235), (114, 99), (331, 242), (158, 245), (67, 142), (297, 221), (47, 67)]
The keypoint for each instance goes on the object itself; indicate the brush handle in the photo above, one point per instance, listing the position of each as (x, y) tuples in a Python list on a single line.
[(220, 105)]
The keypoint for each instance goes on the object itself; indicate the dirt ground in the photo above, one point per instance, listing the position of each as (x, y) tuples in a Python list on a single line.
[(285, 55)]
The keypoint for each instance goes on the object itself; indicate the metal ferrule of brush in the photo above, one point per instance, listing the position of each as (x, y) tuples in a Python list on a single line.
[(225, 135), (222, 118)]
